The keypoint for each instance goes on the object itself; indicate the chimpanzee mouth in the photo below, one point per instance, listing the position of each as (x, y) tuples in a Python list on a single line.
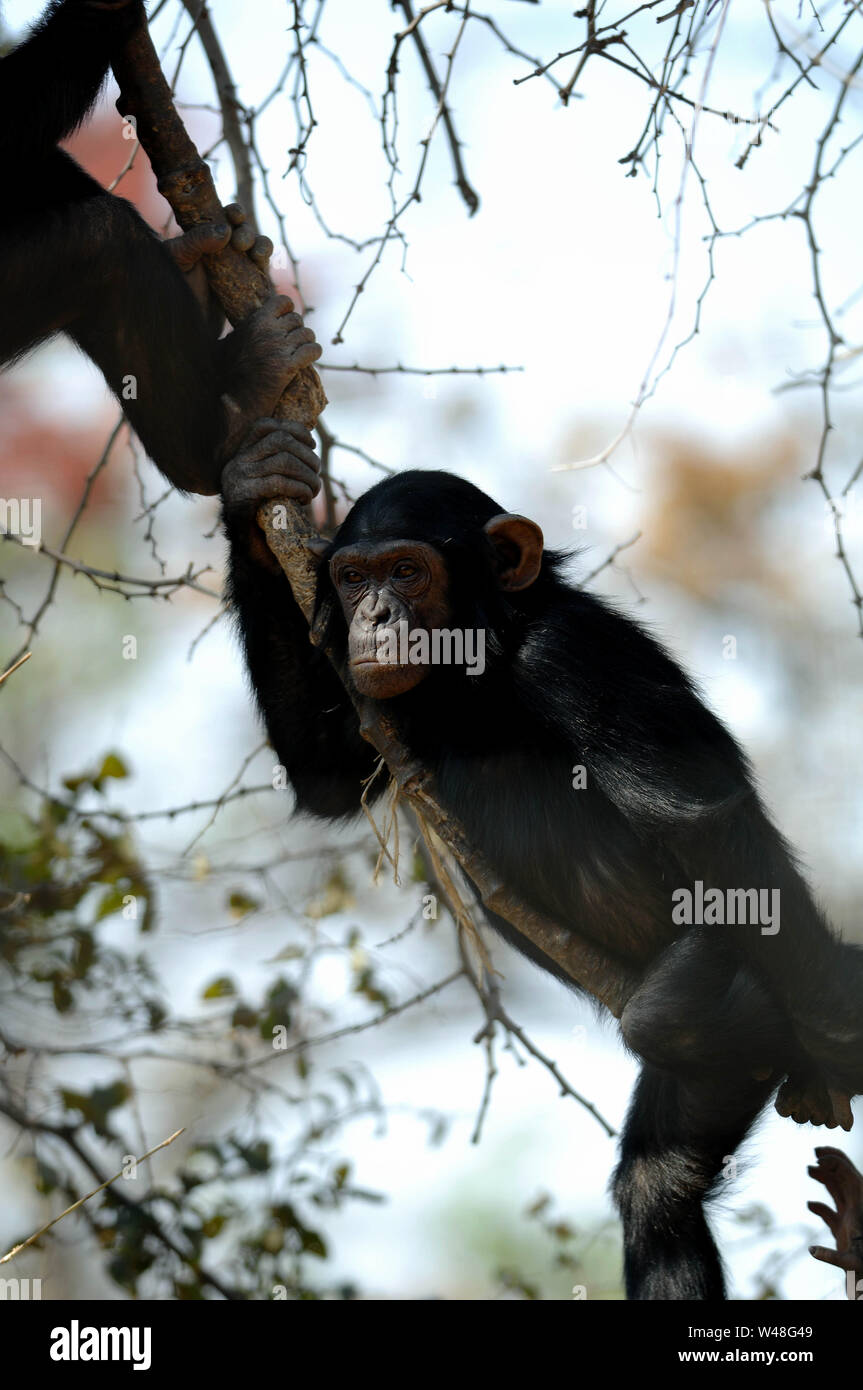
[(380, 664)]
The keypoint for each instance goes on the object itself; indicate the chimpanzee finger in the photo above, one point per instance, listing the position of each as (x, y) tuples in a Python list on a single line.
[(298, 337), (297, 489), (282, 304), (832, 1257), (186, 250), (240, 488), (243, 237), (306, 355), (276, 444), (825, 1172), (261, 252), (827, 1214), (294, 477), (290, 321), (235, 214), (267, 425)]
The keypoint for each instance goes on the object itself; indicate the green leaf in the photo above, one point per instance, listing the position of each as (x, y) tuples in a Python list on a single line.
[(240, 905), (244, 1017), (111, 902), (112, 766), (312, 1244), (222, 988)]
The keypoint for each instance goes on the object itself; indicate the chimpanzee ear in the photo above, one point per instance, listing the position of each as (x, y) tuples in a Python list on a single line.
[(518, 543)]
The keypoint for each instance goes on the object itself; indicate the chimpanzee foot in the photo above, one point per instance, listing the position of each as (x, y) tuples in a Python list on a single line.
[(268, 349), (243, 238), (206, 239), (188, 249), (809, 1100)]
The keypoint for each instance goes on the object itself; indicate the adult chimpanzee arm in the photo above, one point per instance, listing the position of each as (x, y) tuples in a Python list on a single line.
[(65, 61), (310, 719), (75, 259)]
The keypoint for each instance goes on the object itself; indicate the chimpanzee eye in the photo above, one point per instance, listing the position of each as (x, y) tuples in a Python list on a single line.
[(405, 570), (351, 577)]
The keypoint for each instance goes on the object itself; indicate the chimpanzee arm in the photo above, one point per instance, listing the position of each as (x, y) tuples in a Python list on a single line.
[(310, 720), (75, 259), (57, 73)]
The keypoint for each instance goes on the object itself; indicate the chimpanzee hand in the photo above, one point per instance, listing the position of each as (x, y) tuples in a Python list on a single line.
[(845, 1185), (276, 459), (208, 238), (259, 359)]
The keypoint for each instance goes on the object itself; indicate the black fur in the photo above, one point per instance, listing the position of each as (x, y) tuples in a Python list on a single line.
[(669, 799), (75, 259)]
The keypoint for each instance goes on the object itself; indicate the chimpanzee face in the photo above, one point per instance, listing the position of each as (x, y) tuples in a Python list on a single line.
[(382, 585), (394, 591)]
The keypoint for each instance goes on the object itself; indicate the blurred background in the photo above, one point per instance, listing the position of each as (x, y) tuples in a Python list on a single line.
[(348, 1168)]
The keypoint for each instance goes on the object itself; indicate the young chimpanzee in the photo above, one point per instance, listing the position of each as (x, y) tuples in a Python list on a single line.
[(665, 807), (74, 259)]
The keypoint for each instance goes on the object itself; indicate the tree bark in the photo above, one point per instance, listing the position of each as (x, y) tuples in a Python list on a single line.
[(185, 181)]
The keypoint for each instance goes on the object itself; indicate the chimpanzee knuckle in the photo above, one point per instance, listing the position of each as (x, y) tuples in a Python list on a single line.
[(287, 443), (243, 237), (263, 248), (309, 459), (299, 432), (207, 238), (305, 355), (289, 485), (265, 425), (287, 465), (257, 455)]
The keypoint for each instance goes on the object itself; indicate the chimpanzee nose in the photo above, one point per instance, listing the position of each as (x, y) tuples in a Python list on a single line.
[(376, 607)]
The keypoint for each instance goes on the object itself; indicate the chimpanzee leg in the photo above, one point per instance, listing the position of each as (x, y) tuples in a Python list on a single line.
[(701, 1010), (715, 1046), (675, 1144)]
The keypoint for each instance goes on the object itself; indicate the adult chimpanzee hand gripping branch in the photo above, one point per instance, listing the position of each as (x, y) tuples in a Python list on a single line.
[(732, 1003), (74, 259)]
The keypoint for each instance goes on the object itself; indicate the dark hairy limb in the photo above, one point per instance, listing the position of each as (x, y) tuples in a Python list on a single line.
[(77, 260), (310, 719), (678, 1138), (845, 1185)]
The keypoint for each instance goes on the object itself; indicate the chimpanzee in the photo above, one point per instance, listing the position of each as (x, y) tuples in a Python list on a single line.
[(844, 1183), (662, 802), (75, 259)]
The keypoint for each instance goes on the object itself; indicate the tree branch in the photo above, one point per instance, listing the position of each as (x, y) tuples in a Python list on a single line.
[(230, 105), (185, 180)]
